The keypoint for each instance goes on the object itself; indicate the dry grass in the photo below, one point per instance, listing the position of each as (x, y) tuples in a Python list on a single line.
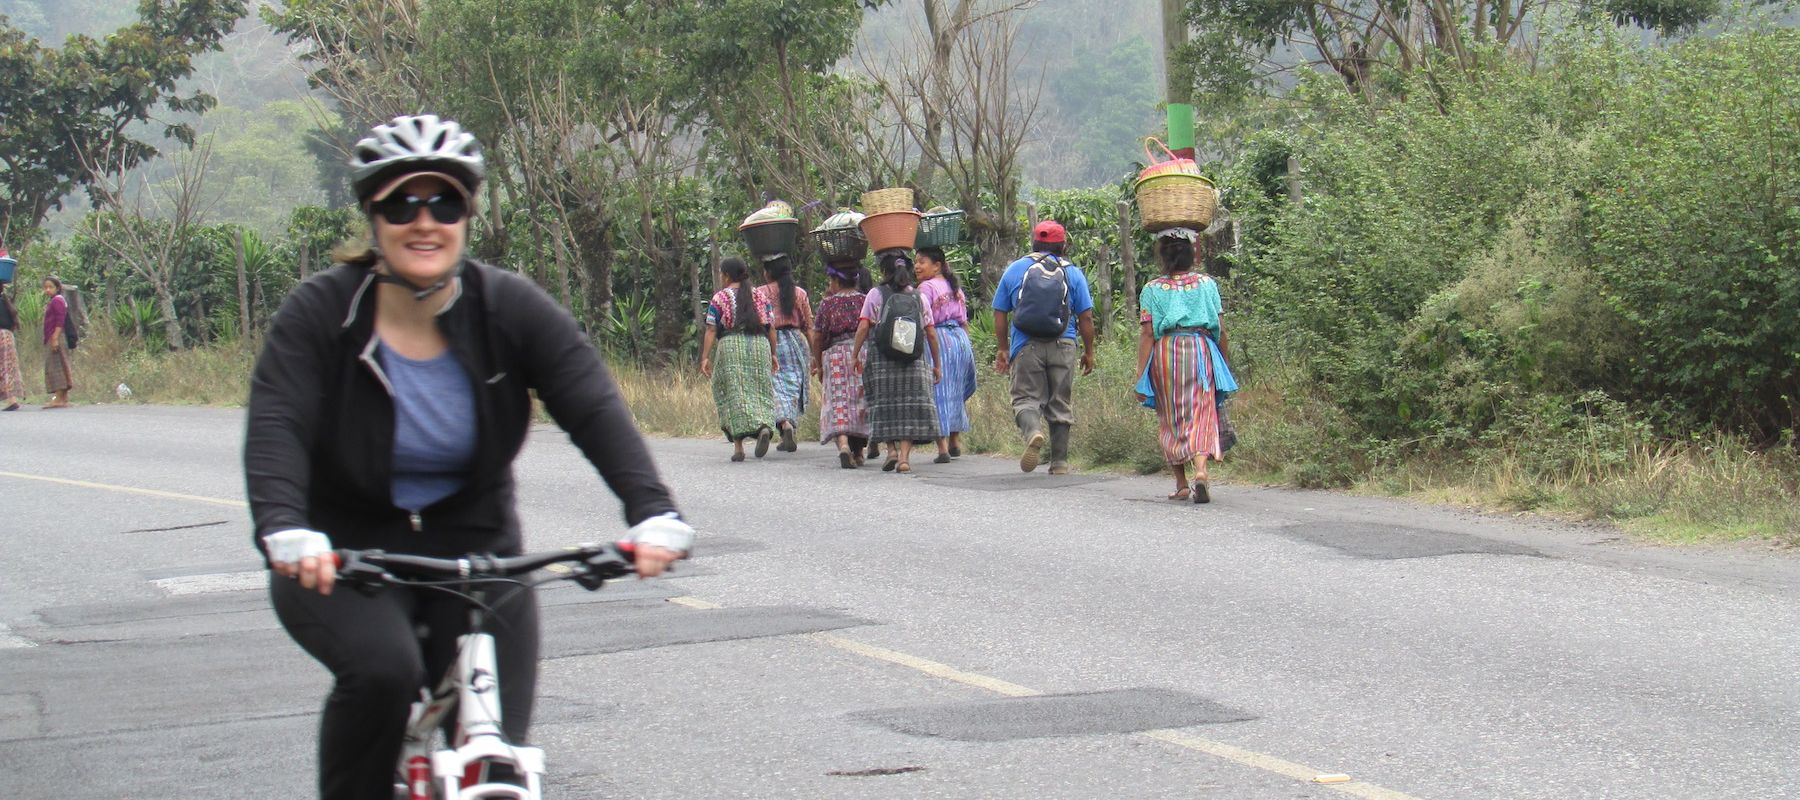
[(218, 375)]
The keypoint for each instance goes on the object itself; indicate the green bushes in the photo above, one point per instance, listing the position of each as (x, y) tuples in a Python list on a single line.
[(1622, 221), (1576, 285)]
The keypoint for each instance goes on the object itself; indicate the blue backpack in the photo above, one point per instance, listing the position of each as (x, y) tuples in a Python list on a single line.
[(1041, 307)]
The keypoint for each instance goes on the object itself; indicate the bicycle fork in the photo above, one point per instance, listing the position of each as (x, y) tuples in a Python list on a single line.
[(458, 772)]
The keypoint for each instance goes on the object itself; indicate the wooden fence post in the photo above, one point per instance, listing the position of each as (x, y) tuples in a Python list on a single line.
[(1128, 260), (1103, 276), (243, 287)]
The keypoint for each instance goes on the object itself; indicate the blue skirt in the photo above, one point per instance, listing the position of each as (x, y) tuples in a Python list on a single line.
[(957, 384), (791, 383)]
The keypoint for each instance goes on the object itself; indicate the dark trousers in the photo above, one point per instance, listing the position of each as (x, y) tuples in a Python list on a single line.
[(372, 647), (1043, 380)]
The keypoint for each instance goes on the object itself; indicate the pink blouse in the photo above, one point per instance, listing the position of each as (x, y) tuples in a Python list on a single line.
[(945, 307)]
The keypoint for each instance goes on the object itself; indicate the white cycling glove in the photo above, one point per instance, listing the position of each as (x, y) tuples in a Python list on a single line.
[(293, 544), (666, 531)]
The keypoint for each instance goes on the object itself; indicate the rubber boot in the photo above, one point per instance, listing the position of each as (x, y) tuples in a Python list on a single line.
[(1034, 439), (1059, 448)]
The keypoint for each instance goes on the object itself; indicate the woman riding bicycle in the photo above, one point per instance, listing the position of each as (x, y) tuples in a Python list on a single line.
[(390, 398)]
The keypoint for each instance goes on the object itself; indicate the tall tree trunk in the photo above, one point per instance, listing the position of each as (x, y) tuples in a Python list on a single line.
[(165, 301), (243, 287)]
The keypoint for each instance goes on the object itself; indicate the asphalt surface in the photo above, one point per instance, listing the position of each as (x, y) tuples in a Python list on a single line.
[(965, 632)]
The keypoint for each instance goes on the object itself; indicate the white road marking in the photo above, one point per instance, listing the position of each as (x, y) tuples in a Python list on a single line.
[(213, 583), (10, 640)]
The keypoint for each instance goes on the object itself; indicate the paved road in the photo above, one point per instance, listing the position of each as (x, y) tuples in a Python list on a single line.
[(965, 632)]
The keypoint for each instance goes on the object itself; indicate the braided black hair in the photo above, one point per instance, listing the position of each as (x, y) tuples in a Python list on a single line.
[(780, 270), (747, 320)]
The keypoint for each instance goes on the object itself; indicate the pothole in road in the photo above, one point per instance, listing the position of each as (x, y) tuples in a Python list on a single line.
[(1014, 483), (1389, 542), (1086, 714)]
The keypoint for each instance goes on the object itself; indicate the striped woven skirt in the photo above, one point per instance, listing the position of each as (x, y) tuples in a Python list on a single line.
[(842, 412), (1186, 371), (957, 385), (742, 388), (791, 383), (900, 402), (12, 380), (59, 376)]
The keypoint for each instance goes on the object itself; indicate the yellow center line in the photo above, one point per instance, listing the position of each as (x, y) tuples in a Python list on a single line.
[(1248, 758), (192, 498)]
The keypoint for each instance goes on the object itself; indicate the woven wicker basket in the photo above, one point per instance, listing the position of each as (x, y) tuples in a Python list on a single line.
[(940, 230), (838, 244), (891, 230), (887, 201), (1176, 201)]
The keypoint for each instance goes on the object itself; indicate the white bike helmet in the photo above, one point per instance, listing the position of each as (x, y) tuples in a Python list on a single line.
[(412, 144)]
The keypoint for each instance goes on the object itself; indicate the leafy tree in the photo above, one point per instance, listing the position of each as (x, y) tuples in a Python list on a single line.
[(62, 109)]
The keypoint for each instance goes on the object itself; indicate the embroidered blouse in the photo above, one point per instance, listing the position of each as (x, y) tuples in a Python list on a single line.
[(1188, 300)]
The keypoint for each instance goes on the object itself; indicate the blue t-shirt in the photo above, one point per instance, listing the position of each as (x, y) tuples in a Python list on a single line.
[(434, 427), (1080, 299)]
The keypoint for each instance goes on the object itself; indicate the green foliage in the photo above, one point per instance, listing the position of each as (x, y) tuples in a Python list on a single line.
[(1668, 16), (1618, 224), (1692, 213), (74, 104)]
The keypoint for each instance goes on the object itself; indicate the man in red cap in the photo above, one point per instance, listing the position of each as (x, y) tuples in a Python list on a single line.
[(1042, 302)]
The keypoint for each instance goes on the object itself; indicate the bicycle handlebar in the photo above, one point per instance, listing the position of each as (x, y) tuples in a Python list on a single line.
[(594, 565)]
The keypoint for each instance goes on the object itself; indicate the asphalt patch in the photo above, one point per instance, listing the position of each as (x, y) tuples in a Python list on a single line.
[(570, 632), (1390, 542), (144, 610), (1016, 483), (1086, 714), (707, 545)]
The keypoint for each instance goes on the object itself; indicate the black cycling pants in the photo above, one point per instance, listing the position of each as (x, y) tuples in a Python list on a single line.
[(372, 648)]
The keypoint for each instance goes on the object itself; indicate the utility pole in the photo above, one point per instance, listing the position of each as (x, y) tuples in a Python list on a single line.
[(1180, 93)]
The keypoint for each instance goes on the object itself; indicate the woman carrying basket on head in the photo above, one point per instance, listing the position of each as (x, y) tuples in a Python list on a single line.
[(792, 318), (901, 409), (742, 383), (12, 379), (843, 414), (1181, 361), (950, 318)]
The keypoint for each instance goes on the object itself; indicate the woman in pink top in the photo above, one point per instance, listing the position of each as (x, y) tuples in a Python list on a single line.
[(791, 320), (12, 381), (950, 318), (59, 377), (898, 391)]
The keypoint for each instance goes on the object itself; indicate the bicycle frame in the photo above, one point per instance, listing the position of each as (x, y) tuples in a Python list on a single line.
[(472, 689), (472, 685)]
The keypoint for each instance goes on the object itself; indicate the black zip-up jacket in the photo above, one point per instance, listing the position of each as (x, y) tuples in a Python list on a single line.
[(318, 453)]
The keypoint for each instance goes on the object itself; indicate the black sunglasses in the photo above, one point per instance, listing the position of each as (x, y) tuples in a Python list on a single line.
[(402, 209)]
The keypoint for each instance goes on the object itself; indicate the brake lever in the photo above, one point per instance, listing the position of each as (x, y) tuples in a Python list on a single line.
[(362, 576), (595, 572)]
